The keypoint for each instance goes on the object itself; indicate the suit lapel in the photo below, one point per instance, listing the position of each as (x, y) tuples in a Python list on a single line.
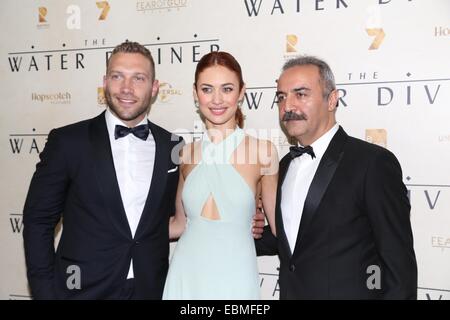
[(281, 233), (106, 174), (320, 182), (159, 178)]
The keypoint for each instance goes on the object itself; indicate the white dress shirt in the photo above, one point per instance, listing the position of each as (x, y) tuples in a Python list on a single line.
[(296, 184), (133, 161)]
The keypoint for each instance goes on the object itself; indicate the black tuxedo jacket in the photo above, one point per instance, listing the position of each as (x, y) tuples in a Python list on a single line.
[(76, 179), (355, 222)]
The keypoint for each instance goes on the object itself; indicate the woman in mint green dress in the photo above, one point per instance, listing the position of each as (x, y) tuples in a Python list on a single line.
[(221, 178)]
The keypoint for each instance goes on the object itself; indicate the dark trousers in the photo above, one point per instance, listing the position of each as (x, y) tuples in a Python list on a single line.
[(128, 290)]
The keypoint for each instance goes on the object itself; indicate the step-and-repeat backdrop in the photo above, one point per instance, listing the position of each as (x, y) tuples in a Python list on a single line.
[(390, 58)]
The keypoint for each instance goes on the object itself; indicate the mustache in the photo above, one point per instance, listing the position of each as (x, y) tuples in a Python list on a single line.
[(290, 115)]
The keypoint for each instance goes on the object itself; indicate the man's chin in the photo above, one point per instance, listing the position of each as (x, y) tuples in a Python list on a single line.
[(128, 115), (295, 133)]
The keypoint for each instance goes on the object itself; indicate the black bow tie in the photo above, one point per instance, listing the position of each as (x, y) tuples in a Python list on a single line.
[(140, 131), (298, 151)]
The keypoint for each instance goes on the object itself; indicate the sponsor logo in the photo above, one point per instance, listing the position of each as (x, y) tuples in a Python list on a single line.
[(73, 21), (42, 14), (291, 42), (42, 20), (53, 98), (441, 31), (160, 5), (374, 27), (378, 34), (104, 7), (377, 136), (291, 46), (441, 242), (167, 91), (101, 99), (444, 138)]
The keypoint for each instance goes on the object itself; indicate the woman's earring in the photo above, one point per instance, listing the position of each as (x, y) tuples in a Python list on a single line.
[(197, 105), (240, 102)]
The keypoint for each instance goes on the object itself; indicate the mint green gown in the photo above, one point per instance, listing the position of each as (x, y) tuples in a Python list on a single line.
[(216, 259)]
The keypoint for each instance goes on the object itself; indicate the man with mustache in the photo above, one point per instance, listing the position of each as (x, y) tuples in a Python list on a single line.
[(113, 179), (342, 212)]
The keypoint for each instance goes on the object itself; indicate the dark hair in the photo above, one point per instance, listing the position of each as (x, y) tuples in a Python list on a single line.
[(226, 60), (133, 47), (325, 73)]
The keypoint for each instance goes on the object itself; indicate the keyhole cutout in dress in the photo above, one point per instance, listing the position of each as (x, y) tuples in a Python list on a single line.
[(210, 210)]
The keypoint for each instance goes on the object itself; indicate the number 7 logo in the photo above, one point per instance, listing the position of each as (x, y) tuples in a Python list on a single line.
[(379, 34), (105, 6)]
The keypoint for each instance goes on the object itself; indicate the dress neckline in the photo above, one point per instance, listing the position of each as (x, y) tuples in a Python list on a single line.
[(221, 152), (236, 133)]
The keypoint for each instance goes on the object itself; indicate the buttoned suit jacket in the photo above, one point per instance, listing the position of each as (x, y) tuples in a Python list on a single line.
[(76, 180)]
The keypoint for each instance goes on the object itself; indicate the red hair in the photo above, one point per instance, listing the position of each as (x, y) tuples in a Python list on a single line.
[(226, 60)]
